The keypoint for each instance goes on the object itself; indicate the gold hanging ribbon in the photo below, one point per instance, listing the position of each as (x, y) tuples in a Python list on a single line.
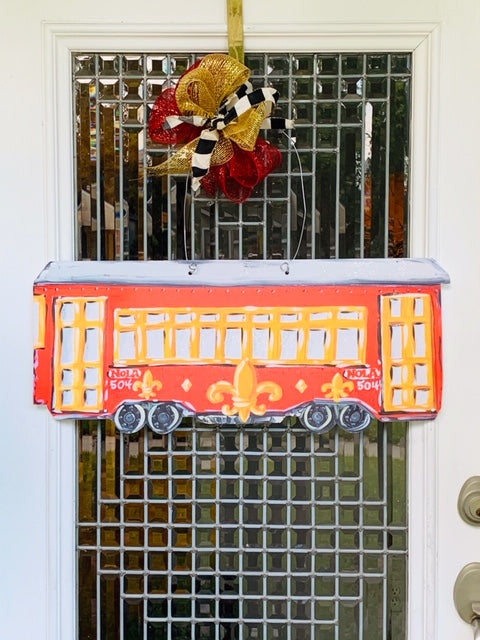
[(235, 29)]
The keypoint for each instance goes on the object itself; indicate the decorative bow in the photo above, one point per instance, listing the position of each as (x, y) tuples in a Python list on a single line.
[(218, 115)]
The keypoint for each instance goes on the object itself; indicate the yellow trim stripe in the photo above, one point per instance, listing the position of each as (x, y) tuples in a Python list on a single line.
[(41, 310)]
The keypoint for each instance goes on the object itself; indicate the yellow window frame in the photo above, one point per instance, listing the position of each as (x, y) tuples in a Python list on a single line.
[(411, 310), (80, 323), (329, 319)]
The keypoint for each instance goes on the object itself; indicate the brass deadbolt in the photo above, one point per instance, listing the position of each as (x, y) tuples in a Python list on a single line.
[(469, 501)]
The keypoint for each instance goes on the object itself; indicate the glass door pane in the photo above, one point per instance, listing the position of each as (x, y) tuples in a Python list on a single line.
[(256, 531)]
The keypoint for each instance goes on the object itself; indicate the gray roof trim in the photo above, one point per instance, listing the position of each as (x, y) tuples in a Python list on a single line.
[(249, 272)]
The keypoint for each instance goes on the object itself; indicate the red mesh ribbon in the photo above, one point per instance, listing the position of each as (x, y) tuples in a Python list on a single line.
[(166, 105), (237, 174)]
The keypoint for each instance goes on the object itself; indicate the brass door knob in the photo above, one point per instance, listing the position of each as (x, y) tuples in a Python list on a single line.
[(466, 595)]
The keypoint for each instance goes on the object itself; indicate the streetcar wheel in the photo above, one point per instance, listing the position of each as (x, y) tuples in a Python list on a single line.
[(318, 417), (164, 417), (353, 417), (129, 418)]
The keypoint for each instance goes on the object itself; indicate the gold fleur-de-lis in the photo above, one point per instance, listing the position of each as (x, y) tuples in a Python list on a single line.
[(337, 388), (147, 386), (245, 392)]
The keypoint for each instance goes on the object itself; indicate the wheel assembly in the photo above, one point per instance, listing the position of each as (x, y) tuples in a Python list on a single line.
[(129, 418), (353, 417), (164, 417), (318, 417)]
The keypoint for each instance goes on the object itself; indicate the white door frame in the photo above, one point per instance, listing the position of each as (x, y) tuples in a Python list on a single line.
[(59, 41)]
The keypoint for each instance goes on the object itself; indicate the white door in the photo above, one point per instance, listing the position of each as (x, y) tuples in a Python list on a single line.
[(38, 455)]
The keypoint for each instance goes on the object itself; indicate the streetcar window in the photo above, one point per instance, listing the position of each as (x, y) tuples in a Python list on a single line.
[(155, 318), (91, 376), (183, 343), (207, 343), (396, 374), (323, 315), (184, 317), (260, 343), (396, 340), (290, 344), (68, 345), (68, 312), (317, 342), (67, 377), (420, 340), (422, 397), (290, 317), (91, 397), (93, 310), (155, 344), (126, 346), (125, 320), (67, 397), (395, 307), (421, 374), (92, 345), (233, 343), (397, 397), (348, 344), (350, 315), (419, 307)]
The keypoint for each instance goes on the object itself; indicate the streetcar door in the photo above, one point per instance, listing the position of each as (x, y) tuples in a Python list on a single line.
[(407, 352), (78, 357)]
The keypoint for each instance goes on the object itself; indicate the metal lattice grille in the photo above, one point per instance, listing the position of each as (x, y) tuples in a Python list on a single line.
[(352, 120), (266, 531), (260, 532)]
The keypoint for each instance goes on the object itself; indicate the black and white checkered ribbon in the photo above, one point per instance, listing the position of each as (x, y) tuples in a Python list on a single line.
[(243, 99)]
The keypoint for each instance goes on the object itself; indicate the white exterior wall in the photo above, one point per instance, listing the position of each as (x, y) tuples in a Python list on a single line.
[(37, 472)]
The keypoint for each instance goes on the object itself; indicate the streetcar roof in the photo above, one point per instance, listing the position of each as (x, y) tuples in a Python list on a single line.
[(248, 272)]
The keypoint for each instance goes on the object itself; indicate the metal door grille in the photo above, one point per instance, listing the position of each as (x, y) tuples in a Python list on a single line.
[(263, 531), (352, 137)]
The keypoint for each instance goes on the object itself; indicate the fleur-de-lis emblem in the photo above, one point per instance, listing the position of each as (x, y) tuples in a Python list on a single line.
[(245, 392), (337, 388), (147, 386)]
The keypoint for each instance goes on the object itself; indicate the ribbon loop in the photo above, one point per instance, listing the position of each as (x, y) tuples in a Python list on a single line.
[(202, 156), (250, 100), (175, 121), (247, 99)]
